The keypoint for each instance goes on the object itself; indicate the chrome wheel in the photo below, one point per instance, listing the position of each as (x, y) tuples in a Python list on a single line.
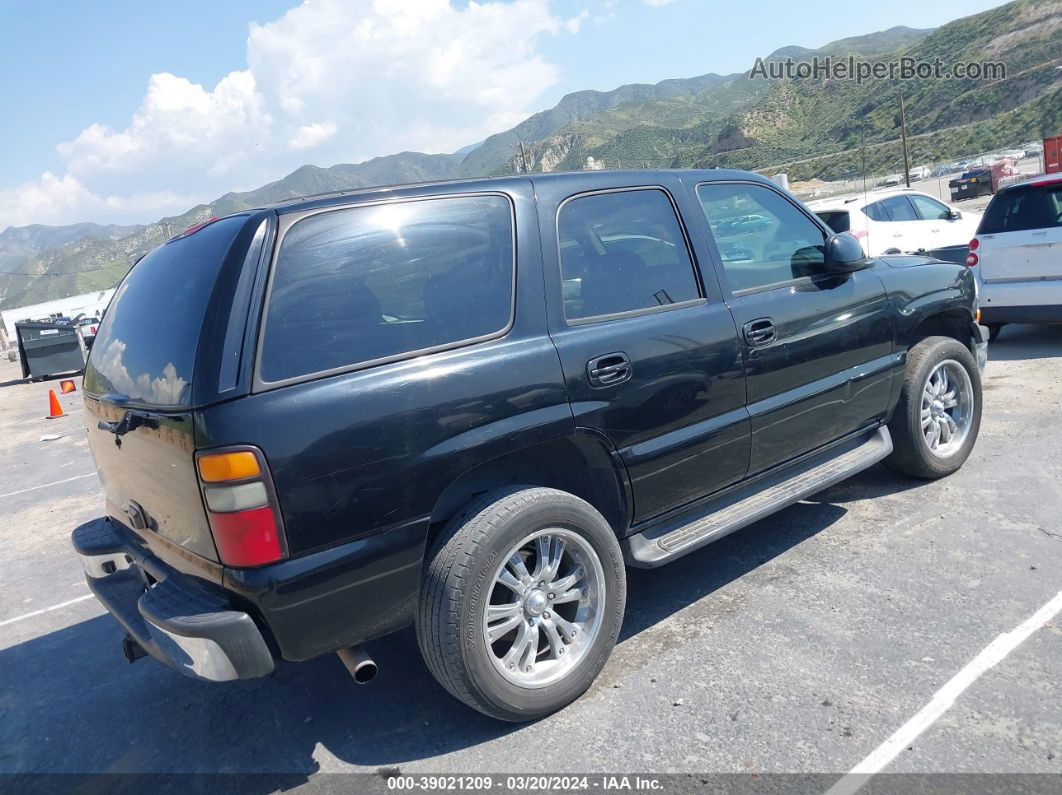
[(947, 408), (545, 607)]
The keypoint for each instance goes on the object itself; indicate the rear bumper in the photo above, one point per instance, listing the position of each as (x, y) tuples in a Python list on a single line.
[(177, 619)]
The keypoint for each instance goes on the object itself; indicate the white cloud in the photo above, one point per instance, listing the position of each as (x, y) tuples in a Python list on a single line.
[(658, 2), (61, 200), (310, 135), (329, 81)]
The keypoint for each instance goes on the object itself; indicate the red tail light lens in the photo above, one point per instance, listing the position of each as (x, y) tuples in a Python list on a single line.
[(859, 234), (974, 244), (247, 538), (971, 260), (242, 507)]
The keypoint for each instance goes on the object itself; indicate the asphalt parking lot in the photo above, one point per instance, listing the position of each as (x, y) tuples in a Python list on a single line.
[(799, 645)]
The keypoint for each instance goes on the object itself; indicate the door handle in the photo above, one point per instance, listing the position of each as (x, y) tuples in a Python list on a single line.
[(759, 331), (609, 370)]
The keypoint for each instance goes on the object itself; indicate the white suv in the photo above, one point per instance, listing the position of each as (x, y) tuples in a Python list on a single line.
[(900, 221), (1017, 254)]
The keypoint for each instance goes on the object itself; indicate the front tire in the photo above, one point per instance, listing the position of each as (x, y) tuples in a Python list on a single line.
[(938, 415), (521, 603)]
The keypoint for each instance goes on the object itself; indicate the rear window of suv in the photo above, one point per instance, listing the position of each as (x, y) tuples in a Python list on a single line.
[(1023, 208), (376, 282), (837, 220), (145, 347)]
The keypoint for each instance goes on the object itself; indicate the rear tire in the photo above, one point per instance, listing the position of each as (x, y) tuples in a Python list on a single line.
[(938, 415), (518, 641)]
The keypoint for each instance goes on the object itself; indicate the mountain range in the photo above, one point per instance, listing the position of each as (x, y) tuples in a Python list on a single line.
[(808, 128)]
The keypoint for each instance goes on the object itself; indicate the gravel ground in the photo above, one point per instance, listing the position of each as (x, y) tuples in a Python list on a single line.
[(797, 645)]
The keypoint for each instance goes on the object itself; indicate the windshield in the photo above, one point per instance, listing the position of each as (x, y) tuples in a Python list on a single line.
[(145, 348)]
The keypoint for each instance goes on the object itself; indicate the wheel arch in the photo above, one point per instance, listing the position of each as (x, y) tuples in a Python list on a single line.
[(954, 322), (582, 464)]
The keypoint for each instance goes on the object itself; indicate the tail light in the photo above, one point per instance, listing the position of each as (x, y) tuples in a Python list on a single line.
[(92, 330), (242, 507), (971, 258), (859, 234)]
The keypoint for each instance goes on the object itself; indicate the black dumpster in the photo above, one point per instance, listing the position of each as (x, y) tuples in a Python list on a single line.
[(49, 348), (971, 185)]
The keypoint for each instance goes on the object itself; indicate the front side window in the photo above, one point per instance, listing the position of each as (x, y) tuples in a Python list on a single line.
[(374, 282), (930, 209), (763, 238), (622, 252)]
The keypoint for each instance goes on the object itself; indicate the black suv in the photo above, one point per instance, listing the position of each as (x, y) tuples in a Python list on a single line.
[(466, 406)]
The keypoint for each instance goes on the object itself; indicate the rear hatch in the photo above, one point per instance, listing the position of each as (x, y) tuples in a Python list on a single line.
[(1020, 235), (139, 395)]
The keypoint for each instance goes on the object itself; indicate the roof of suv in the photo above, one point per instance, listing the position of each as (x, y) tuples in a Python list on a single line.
[(637, 177)]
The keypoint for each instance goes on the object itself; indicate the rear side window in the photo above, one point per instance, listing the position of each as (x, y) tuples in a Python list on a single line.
[(1022, 209), (146, 345), (375, 282), (876, 212), (897, 208), (837, 220), (623, 252)]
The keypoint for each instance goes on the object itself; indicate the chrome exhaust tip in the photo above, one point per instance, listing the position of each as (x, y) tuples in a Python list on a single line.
[(361, 666)]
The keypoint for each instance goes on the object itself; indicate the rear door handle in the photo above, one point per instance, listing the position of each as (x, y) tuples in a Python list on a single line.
[(609, 370), (759, 331)]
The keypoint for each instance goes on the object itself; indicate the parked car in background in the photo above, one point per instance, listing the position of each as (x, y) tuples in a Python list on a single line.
[(1017, 254), (900, 221), (88, 326), (466, 406)]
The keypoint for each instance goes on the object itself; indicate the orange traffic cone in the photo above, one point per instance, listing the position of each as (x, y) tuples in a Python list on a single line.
[(54, 409), (67, 386)]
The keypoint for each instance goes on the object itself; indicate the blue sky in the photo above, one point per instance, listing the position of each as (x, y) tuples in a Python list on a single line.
[(123, 111)]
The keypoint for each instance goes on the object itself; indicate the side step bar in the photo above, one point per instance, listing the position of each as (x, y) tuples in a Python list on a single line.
[(754, 500)]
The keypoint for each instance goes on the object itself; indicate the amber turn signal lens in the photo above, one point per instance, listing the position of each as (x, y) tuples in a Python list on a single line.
[(977, 316), (228, 466)]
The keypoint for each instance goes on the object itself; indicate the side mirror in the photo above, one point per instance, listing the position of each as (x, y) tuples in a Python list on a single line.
[(844, 254), (954, 215)]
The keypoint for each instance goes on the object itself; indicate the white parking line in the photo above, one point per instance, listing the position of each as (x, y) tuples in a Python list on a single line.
[(944, 698), (59, 606), (46, 485)]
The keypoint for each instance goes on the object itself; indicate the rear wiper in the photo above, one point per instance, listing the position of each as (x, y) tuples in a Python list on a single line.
[(130, 421)]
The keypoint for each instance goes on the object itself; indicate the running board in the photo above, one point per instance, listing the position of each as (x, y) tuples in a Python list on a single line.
[(754, 500)]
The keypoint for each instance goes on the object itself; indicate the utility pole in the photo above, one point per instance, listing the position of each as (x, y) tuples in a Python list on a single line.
[(524, 164), (903, 138)]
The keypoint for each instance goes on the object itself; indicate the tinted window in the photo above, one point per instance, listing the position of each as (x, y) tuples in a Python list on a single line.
[(837, 220), (1023, 208), (930, 209), (622, 252), (897, 208), (876, 212), (366, 283), (779, 245), (145, 347)]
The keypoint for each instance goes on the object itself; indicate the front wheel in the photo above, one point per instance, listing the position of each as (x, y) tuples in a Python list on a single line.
[(938, 415), (522, 602)]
